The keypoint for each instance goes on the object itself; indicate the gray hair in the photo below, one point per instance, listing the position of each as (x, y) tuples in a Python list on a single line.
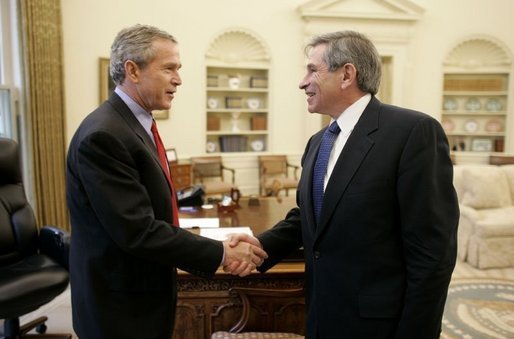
[(134, 43), (355, 48)]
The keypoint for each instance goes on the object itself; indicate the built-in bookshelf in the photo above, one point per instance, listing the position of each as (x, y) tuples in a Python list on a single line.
[(475, 99), (237, 93), (474, 113), (237, 109)]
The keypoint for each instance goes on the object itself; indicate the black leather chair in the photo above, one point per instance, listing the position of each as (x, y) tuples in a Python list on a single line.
[(33, 264)]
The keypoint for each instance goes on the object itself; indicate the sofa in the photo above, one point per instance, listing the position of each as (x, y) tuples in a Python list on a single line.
[(486, 226)]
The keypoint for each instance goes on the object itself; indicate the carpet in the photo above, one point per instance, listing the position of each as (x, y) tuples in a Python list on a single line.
[(479, 308)]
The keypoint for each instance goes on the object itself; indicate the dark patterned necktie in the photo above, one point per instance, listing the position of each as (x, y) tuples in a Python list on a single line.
[(320, 168), (166, 168)]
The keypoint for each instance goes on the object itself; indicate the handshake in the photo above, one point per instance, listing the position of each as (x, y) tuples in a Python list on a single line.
[(243, 253)]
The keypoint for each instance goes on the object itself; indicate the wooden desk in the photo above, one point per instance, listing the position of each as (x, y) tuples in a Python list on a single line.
[(205, 306), (258, 218)]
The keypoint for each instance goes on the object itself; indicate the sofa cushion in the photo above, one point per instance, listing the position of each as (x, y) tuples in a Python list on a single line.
[(485, 186), (496, 222), (509, 172)]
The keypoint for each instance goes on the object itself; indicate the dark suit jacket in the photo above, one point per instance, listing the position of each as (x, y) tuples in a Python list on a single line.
[(379, 262), (123, 248)]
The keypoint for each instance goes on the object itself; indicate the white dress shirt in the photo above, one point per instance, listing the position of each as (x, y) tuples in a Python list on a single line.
[(346, 121)]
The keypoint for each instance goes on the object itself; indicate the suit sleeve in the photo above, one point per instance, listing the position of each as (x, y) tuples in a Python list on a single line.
[(282, 239), (118, 194), (429, 215)]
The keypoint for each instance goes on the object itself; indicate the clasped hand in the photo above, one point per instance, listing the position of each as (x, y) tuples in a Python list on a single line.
[(243, 253)]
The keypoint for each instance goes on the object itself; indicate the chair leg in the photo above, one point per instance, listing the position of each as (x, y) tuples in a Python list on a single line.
[(13, 330), (38, 324)]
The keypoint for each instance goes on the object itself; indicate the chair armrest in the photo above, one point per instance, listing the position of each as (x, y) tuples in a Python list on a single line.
[(295, 169), (469, 212), (233, 171), (55, 243)]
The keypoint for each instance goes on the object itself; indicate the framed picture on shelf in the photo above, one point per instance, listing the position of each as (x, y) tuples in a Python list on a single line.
[(107, 87), (482, 145), (171, 153)]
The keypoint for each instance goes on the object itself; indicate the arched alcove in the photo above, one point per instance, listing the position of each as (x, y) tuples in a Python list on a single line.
[(476, 112), (237, 101), (237, 47), (478, 53)]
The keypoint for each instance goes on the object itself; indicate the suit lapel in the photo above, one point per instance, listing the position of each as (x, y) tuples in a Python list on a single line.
[(306, 189), (355, 150), (127, 115)]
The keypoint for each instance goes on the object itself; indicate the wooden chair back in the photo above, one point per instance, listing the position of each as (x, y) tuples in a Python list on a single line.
[(274, 174)]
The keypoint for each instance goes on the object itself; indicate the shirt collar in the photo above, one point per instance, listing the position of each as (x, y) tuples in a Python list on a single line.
[(144, 118), (348, 119)]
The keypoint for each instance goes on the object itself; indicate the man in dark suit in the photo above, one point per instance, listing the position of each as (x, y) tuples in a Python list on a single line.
[(380, 251), (125, 243)]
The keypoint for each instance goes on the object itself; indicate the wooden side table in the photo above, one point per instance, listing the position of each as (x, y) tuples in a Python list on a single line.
[(181, 174)]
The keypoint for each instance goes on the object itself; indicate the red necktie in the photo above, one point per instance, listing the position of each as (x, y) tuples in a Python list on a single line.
[(165, 166)]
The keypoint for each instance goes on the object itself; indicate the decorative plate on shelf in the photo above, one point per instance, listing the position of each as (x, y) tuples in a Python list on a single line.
[(212, 103), (450, 104), (257, 145), (493, 105), (448, 125), (473, 105), (471, 125), (253, 103), (210, 147), (493, 125)]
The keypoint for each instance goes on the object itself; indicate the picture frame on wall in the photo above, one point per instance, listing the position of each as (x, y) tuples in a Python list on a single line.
[(107, 86)]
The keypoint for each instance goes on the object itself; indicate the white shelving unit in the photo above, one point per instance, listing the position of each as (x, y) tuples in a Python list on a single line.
[(476, 113), (237, 94)]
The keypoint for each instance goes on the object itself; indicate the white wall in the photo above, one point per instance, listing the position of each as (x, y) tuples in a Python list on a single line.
[(90, 26)]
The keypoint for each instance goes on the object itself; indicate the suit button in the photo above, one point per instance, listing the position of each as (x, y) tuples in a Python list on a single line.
[(317, 254)]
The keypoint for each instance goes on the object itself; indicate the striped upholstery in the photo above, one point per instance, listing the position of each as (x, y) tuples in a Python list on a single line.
[(254, 335)]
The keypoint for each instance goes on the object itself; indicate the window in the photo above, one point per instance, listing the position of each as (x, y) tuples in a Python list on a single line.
[(7, 127), (10, 70), (12, 122)]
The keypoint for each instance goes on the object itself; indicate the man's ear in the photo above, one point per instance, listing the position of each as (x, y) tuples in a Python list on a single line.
[(348, 75), (131, 71)]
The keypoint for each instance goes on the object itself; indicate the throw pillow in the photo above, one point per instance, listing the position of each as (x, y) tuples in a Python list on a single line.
[(485, 187)]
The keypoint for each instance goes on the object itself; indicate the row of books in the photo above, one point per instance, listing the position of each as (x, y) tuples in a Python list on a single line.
[(233, 143)]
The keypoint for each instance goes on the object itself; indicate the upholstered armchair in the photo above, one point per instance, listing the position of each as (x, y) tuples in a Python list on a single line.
[(276, 174), (209, 171), (486, 226), (33, 263)]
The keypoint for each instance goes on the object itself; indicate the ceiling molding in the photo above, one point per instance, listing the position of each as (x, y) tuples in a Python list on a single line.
[(389, 10)]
